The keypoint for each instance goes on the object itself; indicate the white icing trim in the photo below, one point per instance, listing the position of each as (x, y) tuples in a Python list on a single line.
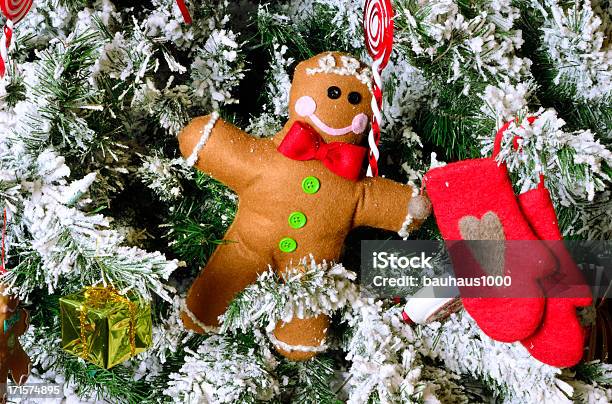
[(403, 231), (350, 67), (205, 134), (299, 348), (192, 317)]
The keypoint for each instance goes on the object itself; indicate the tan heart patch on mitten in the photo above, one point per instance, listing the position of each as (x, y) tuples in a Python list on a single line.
[(489, 255)]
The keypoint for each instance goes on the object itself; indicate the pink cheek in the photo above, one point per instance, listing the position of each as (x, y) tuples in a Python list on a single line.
[(360, 122), (305, 106)]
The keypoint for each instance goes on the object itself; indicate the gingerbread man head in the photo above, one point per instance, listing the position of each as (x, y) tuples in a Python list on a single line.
[(332, 93)]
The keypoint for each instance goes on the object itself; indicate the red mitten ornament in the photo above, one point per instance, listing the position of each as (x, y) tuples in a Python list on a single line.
[(474, 200), (559, 341), (13, 359)]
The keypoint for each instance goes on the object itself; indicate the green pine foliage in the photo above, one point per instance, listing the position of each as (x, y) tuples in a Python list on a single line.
[(99, 91)]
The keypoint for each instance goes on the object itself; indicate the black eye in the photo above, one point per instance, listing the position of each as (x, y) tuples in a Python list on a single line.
[(334, 92), (354, 98)]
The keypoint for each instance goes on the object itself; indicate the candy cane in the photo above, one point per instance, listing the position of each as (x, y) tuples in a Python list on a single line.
[(184, 10), (2, 267), (5, 45), (14, 11), (378, 28)]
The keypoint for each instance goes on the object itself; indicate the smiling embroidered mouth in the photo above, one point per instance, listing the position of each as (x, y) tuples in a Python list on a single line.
[(327, 129), (306, 107)]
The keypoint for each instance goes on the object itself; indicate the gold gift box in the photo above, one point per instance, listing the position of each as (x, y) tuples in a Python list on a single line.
[(104, 327)]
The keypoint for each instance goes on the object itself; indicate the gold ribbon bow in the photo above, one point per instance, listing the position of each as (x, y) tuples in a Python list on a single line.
[(97, 297)]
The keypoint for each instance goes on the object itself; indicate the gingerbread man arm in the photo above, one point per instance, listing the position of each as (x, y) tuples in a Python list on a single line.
[(384, 204), (226, 153)]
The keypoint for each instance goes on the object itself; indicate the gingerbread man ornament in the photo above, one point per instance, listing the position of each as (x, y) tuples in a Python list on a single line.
[(13, 359), (300, 192)]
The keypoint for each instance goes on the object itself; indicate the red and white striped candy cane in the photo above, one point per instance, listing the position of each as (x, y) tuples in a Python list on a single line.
[(378, 28), (5, 44), (14, 11), (2, 267), (184, 11)]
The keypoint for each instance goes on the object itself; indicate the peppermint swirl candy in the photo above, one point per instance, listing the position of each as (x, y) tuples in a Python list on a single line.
[(378, 28), (15, 10)]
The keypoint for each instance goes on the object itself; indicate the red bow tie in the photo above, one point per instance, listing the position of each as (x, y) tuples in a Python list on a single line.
[(302, 142)]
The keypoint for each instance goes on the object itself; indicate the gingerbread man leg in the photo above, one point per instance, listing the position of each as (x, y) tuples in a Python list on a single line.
[(301, 339), (231, 268)]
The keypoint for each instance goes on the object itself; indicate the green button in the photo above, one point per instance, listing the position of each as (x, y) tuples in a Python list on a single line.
[(297, 220), (311, 185), (287, 245)]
